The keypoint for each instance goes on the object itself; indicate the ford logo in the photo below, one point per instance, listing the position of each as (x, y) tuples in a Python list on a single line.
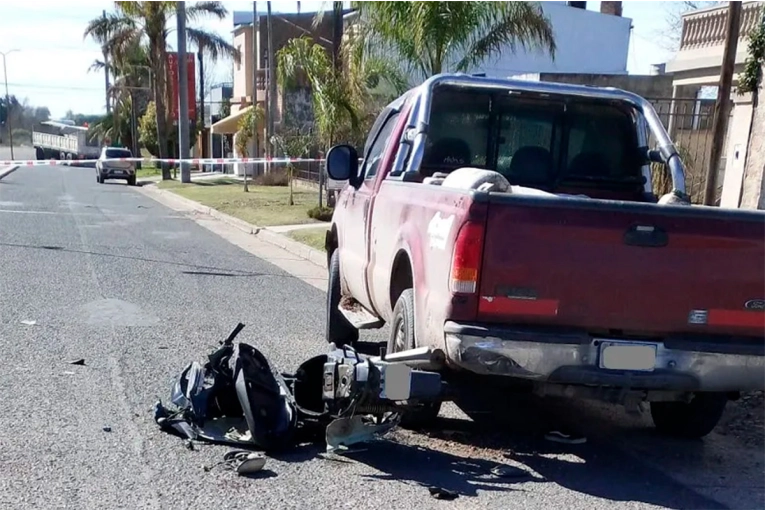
[(755, 304)]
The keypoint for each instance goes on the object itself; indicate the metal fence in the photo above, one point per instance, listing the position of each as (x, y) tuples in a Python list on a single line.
[(689, 124)]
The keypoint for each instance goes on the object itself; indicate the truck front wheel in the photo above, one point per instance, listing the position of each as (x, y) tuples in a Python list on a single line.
[(339, 330), (692, 420), (402, 339)]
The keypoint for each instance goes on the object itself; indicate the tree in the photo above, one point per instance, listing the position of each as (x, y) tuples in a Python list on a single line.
[(147, 131), (293, 144), (342, 101), (146, 24), (429, 38), (245, 129)]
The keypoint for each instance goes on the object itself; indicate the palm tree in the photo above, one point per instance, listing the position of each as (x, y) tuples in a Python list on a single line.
[(344, 99), (434, 37), (146, 24), (129, 92)]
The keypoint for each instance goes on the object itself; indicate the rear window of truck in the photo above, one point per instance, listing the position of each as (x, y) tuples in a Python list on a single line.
[(537, 142)]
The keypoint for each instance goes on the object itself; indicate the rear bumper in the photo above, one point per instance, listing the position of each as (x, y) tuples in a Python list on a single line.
[(574, 358), (116, 173)]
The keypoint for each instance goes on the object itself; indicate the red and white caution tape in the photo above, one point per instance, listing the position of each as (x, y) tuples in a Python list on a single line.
[(194, 161)]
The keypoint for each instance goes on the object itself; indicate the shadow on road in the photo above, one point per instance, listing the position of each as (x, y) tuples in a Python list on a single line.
[(598, 468), (200, 270)]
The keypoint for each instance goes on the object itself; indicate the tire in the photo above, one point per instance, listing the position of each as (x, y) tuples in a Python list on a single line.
[(131, 180), (339, 330), (402, 338), (690, 420)]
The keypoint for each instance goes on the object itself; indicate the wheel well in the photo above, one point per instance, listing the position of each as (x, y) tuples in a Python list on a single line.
[(401, 277), (330, 243)]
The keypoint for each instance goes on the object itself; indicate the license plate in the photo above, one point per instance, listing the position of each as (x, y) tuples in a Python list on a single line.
[(627, 356)]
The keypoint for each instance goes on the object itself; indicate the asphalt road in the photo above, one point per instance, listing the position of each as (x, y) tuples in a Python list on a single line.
[(138, 290)]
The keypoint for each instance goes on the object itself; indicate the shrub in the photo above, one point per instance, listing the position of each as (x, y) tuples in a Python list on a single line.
[(321, 213), (273, 178)]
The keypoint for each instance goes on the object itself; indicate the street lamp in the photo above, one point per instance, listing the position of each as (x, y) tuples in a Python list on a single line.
[(8, 100)]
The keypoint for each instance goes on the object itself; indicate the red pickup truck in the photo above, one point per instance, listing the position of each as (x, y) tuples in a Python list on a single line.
[(510, 229)]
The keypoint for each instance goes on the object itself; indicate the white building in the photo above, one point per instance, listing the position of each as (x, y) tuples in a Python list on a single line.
[(588, 42)]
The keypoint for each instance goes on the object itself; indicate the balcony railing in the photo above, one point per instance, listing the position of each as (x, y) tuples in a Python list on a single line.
[(706, 27)]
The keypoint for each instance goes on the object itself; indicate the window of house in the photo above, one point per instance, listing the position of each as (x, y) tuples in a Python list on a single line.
[(239, 62)]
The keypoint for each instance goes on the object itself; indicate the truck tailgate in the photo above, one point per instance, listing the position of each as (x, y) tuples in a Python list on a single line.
[(623, 268)]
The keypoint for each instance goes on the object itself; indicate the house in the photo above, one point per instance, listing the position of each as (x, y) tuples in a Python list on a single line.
[(250, 74), (697, 66), (588, 42), (580, 34)]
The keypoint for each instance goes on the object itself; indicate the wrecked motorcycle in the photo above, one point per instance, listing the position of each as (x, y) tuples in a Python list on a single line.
[(239, 398)]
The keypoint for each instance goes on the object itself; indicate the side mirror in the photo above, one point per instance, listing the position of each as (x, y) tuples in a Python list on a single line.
[(343, 163)]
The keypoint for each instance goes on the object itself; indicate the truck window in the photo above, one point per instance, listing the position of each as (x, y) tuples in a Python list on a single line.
[(537, 142), (458, 132), (377, 150)]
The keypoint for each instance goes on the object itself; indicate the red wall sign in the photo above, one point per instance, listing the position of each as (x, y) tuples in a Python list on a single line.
[(172, 62)]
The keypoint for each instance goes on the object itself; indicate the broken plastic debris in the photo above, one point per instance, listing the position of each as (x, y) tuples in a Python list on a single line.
[(79, 361), (440, 493), (509, 472), (29, 323), (344, 432), (242, 461), (107, 429), (68, 372), (561, 437)]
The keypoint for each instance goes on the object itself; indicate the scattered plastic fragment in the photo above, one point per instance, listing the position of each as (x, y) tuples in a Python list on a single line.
[(561, 437), (29, 323), (509, 472), (79, 361), (107, 429), (445, 494)]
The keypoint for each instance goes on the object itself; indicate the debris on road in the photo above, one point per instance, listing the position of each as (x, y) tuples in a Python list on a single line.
[(445, 494), (106, 428), (28, 322), (509, 472), (79, 361), (238, 397), (561, 437)]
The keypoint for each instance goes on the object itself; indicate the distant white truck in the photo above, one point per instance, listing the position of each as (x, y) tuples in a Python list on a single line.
[(63, 140)]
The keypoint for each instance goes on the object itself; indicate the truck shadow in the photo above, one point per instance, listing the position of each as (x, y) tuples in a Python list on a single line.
[(459, 455)]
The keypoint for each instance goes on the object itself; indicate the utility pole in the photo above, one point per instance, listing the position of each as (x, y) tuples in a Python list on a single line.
[(183, 93), (200, 114), (8, 100), (254, 63), (722, 105), (271, 86), (106, 74)]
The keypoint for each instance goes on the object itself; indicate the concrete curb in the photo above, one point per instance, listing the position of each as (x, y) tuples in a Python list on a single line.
[(312, 255), (7, 171)]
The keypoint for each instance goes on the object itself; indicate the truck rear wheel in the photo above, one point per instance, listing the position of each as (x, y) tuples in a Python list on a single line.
[(692, 420), (402, 339), (339, 330)]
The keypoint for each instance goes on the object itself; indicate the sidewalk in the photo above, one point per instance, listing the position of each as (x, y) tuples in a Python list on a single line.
[(275, 235)]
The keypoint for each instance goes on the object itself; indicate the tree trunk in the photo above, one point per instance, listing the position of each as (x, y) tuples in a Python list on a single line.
[(160, 102)]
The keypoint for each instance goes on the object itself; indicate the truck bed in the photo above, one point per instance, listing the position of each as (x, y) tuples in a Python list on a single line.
[(612, 267)]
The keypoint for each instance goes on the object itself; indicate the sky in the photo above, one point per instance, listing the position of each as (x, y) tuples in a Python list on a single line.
[(51, 65)]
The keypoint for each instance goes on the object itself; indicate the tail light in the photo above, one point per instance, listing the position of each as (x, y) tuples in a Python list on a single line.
[(466, 262)]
